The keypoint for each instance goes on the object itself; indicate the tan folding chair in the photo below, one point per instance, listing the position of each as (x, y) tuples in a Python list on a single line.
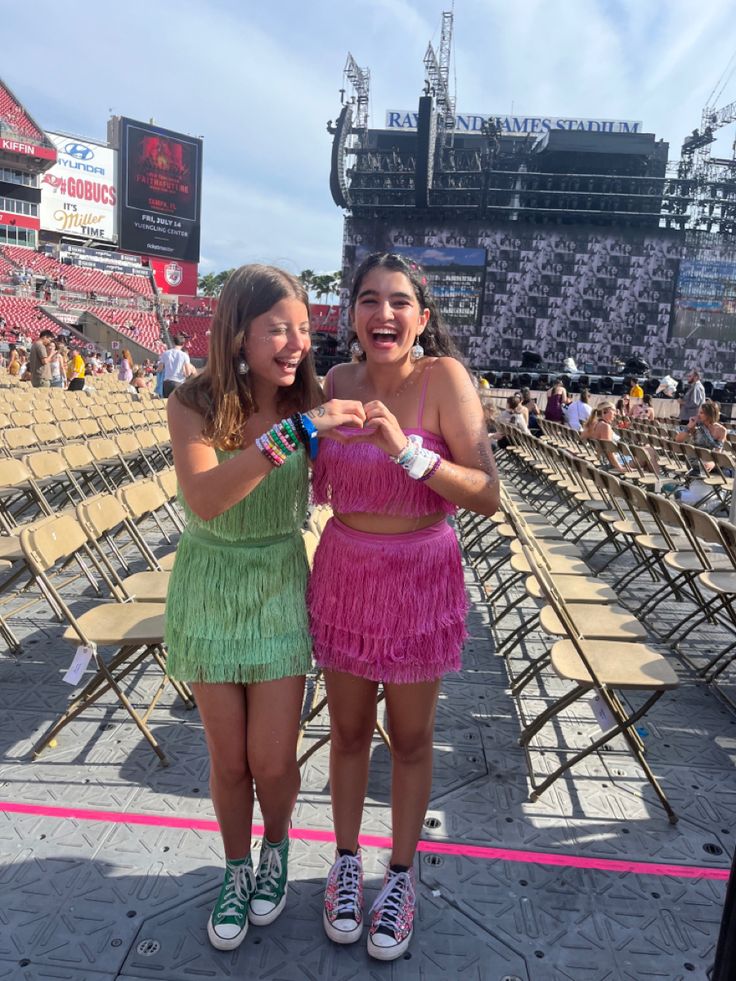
[(17, 440), (142, 500), (607, 669), (718, 584), (105, 522), (134, 630)]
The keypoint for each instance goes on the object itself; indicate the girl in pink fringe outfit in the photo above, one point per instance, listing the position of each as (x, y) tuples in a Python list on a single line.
[(386, 598)]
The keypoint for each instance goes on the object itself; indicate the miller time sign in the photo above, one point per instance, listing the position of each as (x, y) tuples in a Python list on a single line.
[(78, 194), (518, 125)]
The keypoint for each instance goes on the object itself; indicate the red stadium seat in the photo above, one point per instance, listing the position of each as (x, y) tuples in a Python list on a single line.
[(22, 316), (15, 117)]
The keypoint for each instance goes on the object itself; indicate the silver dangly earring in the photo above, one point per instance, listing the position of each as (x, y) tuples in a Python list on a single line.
[(356, 350), (243, 366), (417, 352)]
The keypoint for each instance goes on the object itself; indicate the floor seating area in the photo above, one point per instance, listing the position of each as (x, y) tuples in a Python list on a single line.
[(78, 474), (628, 591)]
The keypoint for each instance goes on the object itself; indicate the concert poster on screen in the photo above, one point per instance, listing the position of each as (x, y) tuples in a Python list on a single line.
[(161, 191)]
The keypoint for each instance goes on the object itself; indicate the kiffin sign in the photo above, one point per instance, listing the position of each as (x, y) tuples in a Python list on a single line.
[(78, 194)]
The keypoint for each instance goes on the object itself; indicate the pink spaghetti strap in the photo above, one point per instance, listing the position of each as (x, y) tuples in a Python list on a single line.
[(423, 395)]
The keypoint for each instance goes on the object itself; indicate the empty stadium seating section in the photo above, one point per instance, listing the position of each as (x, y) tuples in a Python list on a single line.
[(23, 316), (16, 117), (83, 290), (196, 330)]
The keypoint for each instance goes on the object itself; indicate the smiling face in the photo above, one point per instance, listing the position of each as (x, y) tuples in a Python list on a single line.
[(386, 315), (277, 342)]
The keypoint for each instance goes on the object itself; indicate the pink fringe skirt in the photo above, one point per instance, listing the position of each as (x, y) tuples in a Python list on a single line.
[(388, 607)]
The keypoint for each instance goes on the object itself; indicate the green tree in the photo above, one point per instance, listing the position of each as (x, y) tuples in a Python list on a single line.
[(306, 277), (211, 283), (326, 285)]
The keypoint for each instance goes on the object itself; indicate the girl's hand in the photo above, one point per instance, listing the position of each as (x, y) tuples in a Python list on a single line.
[(388, 435), (337, 412)]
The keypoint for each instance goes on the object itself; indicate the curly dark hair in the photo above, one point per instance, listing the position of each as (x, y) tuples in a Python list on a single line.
[(436, 339)]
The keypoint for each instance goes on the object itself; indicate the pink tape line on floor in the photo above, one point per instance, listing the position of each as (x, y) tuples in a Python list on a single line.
[(377, 841)]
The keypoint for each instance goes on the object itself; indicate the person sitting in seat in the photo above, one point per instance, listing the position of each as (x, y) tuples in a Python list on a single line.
[(704, 430), (600, 427)]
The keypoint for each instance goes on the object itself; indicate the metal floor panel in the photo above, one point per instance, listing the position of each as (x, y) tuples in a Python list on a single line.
[(96, 900)]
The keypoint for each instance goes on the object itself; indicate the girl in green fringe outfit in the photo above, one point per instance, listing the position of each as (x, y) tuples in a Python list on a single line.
[(236, 622)]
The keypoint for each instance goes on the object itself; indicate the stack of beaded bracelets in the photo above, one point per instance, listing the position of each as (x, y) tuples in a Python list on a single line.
[(419, 463), (284, 439)]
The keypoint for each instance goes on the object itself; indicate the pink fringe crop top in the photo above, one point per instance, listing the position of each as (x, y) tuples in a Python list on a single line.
[(359, 477)]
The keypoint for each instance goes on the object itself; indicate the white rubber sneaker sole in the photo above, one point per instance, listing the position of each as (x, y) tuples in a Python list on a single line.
[(220, 943), (341, 936), (263, 919), (388, 953)]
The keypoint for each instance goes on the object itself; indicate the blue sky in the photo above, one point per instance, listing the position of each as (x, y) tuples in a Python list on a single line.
[(259, 80)]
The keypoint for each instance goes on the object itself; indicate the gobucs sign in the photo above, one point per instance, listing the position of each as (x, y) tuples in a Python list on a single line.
[(518, 125), (78, 194)]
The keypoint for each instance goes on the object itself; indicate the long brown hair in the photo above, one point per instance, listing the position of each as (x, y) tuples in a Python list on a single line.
[(125, 355), (222, 396), (435, 338)]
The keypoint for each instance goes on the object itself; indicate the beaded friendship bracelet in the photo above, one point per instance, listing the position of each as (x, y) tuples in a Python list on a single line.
[(285, 438)]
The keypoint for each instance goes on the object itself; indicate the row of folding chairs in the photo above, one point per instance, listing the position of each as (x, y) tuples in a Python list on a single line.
[(653, 457), (53, 483), (96, 539), (689, 554), (594, 645)]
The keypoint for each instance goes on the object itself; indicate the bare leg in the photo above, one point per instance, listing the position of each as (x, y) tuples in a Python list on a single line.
[(274, 708), (411, 714), (352, 704), (222, 709)]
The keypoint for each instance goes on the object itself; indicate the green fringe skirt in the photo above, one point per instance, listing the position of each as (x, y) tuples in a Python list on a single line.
[(236, 612)]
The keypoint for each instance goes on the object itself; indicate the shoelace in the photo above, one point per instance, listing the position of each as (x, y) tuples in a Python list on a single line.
[(391, 898), (347, 872), (242, 884), (269, 873)]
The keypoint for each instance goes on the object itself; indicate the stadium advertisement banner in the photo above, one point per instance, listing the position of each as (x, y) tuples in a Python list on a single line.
[(175, 277), (518, 125), (20, 221), (78, 194), (26, 149), (160, 191), (113, 261)]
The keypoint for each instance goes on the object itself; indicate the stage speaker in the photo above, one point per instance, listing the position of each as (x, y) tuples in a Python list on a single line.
[(636, 366), (530, 359)]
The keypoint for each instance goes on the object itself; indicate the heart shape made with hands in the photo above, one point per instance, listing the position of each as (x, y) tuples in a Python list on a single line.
[(352, 432)]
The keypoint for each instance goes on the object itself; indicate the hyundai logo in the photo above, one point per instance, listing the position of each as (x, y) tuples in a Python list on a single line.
[(78, 150)]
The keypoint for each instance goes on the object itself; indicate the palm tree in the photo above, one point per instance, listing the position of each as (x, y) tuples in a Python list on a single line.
[(306, 277), (211, 284)]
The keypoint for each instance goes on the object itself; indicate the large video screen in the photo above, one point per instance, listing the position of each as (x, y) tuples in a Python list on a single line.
[(455, 276), (705, 299), (160, 187)]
